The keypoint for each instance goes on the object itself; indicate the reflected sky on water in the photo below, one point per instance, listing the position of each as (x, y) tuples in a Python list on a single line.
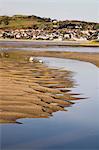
[(77, 128)]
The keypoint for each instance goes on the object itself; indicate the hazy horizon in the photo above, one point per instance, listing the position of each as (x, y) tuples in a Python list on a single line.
[(84, 10)]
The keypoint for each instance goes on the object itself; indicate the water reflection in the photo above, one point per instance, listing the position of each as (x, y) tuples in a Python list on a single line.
[(78, 128), (57, 48)]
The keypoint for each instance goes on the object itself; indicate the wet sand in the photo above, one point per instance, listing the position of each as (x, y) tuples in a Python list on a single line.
[(82, 56), (32, 90)]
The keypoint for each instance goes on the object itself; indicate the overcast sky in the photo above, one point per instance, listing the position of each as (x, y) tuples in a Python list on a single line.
[(87, 10)]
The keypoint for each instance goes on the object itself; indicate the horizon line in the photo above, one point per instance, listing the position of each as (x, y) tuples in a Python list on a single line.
[(48, 17)]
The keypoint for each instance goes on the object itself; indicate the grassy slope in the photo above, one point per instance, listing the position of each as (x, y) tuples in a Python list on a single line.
[(19, 21)]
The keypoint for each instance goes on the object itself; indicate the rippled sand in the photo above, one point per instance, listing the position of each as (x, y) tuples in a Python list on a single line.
[(31, 90)]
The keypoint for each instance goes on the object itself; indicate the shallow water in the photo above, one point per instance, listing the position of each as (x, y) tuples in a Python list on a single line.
[(45, 46), (78, 128), (57, 48)]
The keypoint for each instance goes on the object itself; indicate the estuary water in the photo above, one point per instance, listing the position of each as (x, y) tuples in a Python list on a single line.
[(57, 48), (77, 128), (46, 46)]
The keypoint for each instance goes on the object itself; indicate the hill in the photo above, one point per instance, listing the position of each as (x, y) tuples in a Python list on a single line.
[(23, 22), (34, 22)]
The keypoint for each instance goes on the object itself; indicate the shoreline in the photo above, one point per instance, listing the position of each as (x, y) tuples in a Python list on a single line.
[(71, 43), (34, 90), (82, 56)]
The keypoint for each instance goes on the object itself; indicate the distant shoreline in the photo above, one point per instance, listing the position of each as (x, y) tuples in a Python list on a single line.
[(54, 42)]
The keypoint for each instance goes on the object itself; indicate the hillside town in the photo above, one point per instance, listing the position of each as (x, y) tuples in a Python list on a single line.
[(37, 34), (47, 29)]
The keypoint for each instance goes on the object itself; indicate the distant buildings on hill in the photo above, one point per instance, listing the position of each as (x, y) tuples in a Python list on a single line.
[(61, 35)]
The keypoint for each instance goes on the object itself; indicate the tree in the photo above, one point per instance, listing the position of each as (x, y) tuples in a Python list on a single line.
[(6, 20)]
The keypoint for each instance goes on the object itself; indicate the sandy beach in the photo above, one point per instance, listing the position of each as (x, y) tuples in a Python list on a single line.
[(32, 90)]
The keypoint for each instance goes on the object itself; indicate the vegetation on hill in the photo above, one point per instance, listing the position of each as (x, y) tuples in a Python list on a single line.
[(29, 22), (23, 22)]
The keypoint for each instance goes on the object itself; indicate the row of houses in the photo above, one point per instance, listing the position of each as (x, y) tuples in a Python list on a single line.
[(50, 35)]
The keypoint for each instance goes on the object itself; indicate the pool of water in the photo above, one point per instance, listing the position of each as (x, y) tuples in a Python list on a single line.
[(77, 128)]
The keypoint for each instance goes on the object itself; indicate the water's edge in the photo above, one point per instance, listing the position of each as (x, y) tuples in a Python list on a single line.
[(76, 129)]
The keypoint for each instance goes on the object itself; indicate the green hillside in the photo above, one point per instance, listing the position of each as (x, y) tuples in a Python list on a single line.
[(20, 21), (24, 22)]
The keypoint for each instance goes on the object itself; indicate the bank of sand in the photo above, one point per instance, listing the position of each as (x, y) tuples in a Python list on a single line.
[(32, 90), (83, 56)]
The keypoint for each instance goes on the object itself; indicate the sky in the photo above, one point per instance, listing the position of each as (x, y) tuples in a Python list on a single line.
[(86, 10)]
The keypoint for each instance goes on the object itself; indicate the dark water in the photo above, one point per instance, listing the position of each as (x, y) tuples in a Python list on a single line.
[(76, 129)]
